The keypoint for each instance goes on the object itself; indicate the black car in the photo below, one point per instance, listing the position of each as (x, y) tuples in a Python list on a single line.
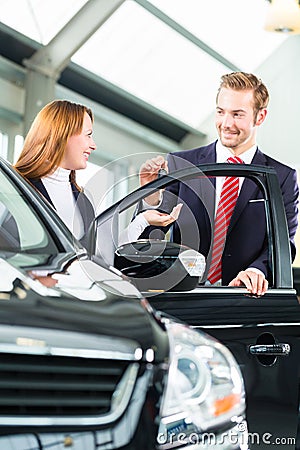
[(86, 362), (262, 333)]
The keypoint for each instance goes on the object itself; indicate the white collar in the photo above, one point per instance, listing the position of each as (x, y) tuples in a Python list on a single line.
[(223, 153), (59, 175)]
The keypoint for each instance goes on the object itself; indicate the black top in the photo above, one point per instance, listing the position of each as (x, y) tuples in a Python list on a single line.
[(85, 206)]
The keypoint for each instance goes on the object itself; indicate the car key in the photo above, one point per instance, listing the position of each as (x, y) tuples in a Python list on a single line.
[(161, 173)]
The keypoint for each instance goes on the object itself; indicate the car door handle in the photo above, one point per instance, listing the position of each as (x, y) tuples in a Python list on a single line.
[(270, 349)]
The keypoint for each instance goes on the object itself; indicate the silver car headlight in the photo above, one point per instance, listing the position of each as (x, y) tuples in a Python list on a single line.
[(205, 387)]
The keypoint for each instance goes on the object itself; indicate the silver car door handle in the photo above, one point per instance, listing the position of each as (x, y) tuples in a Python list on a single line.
[(270, 349)]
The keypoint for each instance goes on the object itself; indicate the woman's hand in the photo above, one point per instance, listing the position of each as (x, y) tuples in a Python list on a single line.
[(159, 219)]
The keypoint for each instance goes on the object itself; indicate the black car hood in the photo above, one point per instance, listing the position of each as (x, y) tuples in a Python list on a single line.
[(122, 319)]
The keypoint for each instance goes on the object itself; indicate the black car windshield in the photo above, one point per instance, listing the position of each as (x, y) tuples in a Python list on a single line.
[(23, 236)]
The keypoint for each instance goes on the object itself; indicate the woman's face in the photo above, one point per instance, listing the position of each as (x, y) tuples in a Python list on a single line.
[(79, 147)]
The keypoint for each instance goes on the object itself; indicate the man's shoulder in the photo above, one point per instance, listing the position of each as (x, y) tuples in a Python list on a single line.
[(194, 155), (278, 165)]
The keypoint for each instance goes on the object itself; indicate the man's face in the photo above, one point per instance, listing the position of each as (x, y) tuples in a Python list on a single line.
[(235, 119)]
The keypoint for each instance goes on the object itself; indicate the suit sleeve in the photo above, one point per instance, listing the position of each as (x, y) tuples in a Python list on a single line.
[(169, 200), (290, 194)]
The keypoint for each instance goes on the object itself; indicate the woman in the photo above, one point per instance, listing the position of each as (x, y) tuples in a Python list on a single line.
[(58, 143)]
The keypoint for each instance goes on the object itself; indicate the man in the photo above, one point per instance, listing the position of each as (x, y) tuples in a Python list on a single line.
[(241, 107)]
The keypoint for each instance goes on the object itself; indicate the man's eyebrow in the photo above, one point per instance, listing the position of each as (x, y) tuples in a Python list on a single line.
[(238, 110), (233, 110)]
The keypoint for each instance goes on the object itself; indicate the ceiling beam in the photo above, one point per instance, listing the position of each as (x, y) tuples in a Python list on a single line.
[(54, 57)]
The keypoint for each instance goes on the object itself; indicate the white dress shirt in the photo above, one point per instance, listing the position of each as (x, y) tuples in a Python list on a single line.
[(222, 154), (134, 230)]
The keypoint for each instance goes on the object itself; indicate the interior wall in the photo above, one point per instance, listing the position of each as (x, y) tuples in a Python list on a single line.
[(281, 73)]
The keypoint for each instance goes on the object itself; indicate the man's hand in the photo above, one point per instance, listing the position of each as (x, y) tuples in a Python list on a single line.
[(256, 283), (149, 172), (157, 218), (150, 168)]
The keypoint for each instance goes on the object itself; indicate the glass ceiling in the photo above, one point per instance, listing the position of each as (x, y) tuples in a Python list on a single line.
[(138, 52), (40, 20)]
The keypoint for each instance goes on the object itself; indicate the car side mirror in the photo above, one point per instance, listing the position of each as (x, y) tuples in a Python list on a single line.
[(158, 265)]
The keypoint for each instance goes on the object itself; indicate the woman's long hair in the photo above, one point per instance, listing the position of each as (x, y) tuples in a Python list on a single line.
[(46, 141)]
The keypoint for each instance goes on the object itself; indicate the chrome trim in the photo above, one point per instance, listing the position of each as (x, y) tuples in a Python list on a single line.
[(241, 325), (217, 326), (270, 349), (68, 352), (235, 290), (279, 324), (42, 341), (126, 387)]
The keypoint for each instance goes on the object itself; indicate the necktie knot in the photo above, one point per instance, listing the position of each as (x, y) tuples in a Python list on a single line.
[(235, 160)]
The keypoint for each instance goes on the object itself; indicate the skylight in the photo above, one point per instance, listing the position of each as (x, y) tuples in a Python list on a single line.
[(234, 28), (141, 54), (39, 20)]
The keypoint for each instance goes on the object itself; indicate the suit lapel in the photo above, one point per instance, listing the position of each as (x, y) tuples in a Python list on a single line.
[(207, 186), (247, 190)]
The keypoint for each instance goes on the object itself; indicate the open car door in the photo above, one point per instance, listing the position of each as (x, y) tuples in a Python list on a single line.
[(262, 333)]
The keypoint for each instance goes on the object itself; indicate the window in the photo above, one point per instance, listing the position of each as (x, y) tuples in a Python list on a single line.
[(21, 231), (3, 145), (19, 141)]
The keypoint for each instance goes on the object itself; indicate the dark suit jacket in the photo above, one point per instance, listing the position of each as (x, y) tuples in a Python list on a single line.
[(246, 243), (85, 207)]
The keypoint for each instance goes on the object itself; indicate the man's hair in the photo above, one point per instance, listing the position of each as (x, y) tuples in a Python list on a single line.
[(240, 81)]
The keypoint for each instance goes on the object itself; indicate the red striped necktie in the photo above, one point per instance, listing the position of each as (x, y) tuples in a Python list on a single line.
[(228, 198)]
